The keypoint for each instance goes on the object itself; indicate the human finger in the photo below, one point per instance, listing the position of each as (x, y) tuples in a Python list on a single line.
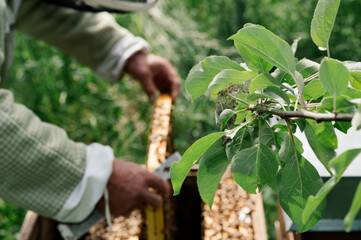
[(175, 88), (157, 183), (148, 87), (172, 80), (151, 198)]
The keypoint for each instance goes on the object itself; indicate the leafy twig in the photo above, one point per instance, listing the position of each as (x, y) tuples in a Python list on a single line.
[(319, 117)]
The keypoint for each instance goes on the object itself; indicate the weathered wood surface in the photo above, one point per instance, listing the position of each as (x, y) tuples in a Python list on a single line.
[(157, 151), (36, 227), (235, 214), (133, 227), (258, 218), (29, 228)]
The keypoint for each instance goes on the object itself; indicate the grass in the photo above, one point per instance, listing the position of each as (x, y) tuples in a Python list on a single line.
[(11, 218)]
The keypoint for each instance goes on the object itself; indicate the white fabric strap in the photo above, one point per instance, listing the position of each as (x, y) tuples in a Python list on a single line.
[(81, 202), (111, 67), (121, 5), (107, 211), (11, 12)]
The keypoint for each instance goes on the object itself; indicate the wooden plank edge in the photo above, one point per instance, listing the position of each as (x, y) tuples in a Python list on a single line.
[(258, 218), (157, 150), (29, 229), (278, 230)]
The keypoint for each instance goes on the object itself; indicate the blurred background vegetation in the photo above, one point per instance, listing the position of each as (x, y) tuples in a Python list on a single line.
[(62, 92)]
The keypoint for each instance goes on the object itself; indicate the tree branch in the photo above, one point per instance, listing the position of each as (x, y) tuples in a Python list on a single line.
[(319, 117)]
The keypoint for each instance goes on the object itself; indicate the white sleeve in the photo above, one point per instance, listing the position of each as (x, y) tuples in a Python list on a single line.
[(111, 67), (81, 202)]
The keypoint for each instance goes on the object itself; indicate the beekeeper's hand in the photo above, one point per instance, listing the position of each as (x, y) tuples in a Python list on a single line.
[(153, 72), (132, 187)]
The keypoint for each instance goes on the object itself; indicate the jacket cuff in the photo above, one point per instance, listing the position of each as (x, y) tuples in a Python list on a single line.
[(112, 66), (82, 201)]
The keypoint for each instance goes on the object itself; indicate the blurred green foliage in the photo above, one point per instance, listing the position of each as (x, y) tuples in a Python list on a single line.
[(11, 218), (62, 92)]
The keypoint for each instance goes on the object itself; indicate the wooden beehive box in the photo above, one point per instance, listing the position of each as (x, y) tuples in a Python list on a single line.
[(235, 214)]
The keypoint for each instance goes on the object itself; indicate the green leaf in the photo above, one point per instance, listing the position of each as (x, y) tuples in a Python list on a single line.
[(254, 167), (225, 116), (334, 77), (305, 66), (179, 170), (342, 103), (267, 135), (353, 93), (255, 96), (322, 139), (355, 81), (267, 46), (301, 123), (203, 73), (298, 78), (295, 45), (240, 118), (314, 90), (212, 166), (253, 62), (338, 165), (355, 70), (281, 128), (323, 20), (342, 126), (286, 150), (214, 64), (242, 139), (355, 208), (314, 201), (227, 77), (299, 180), (356, 120), (262, 81), (252, 98), (277, 94)]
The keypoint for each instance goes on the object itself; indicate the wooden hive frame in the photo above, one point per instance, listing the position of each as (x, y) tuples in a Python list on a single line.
[(171, 221)]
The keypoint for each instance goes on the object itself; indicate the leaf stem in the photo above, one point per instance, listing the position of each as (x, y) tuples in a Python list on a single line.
[(296, 105), (242, 110), (303, 102), (328, 51), (238, 99), (259, 131), (312, 77), (291, 134)]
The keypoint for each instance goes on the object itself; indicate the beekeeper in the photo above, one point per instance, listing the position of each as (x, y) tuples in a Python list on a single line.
[(41, 169)]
